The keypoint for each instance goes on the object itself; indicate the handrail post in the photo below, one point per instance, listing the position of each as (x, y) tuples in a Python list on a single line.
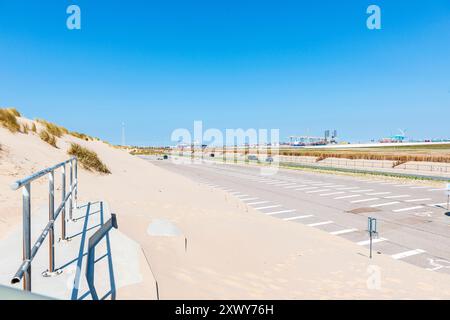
[(76, 182), (51, 217), (26, 201), (63, 197), (70, 189)]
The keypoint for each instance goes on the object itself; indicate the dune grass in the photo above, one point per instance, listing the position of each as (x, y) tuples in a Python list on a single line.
[(33, 127), (25, 128), (88, 159), (48, 137), (81, 136), (8, 119), (52, 128)]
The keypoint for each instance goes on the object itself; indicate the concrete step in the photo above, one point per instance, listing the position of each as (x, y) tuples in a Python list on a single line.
[(119, 261)]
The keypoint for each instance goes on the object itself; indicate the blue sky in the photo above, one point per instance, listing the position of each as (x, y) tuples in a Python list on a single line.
[(300, 66)]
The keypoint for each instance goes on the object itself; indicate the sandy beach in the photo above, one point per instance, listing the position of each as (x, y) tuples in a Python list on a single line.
[(225, 250)]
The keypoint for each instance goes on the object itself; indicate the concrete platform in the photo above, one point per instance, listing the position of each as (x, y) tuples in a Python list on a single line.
[(119, 261)]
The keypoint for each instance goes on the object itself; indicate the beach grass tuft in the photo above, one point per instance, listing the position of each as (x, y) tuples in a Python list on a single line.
[(88, 159), (52, 128), (48, 137), (8, 119)]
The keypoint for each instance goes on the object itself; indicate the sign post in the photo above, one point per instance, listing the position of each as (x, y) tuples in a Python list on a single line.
[(372, 228), (448, 195)]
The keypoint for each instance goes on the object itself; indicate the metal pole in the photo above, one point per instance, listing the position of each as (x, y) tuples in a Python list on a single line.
[(51, 216), (63, 196), (26, 200), (76, 181), (70, 189), (371, 244)]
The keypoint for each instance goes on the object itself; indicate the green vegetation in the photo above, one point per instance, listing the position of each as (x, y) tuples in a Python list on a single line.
[(53, 129), (33, 127), (88, 159), (25, 128), (8, 119), (427, 153), (146, 150), (81, 136), (48, 137), (15, 112)]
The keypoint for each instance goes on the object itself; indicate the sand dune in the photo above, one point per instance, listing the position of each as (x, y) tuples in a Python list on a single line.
[(233, 252)]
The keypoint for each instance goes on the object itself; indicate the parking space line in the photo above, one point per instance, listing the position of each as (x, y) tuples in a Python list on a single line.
[(440, 189), (368, 190), (406, 254), (295, 186), (309, 188), (336, 233), (298, 217), (319, 224), (417, 200), (396, 197), (317, 191), (378, 193), (259, 202), (365, 200), (332, 194), (249, 199), (408, 209), (346, 197), (241, 195), (348, 188), (366, 242), (269, 207), (438, 204), (278, 212), (384, 204)]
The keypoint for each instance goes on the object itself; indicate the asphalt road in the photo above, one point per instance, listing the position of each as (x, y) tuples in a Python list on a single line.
[(413, 223)]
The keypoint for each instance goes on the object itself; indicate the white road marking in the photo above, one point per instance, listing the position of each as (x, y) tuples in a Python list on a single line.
[(368, 190), (396, 197), (277, 212), (384, 204), (295, 186), (241, 195), (235, 193), (336, 233), (317, 191), (319, 224), (332, 194), (351, 188), (408, 209), (259, 202), (438, 204), (441, 189), (366, 242), (298, 217), (249, 199), (365, 200), (310, 188), (283, 184), (417, 200), (378, 193), (269, 207), (406, 254), (346, 197), (419, 187)]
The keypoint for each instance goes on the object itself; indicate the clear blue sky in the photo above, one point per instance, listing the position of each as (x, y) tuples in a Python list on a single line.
[(300, 66)]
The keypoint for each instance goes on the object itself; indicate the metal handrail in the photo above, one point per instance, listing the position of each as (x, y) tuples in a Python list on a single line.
[(29, 252), (93, 241)]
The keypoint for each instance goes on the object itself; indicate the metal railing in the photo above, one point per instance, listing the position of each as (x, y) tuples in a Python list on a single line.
[(93, 241), (30, 252)]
